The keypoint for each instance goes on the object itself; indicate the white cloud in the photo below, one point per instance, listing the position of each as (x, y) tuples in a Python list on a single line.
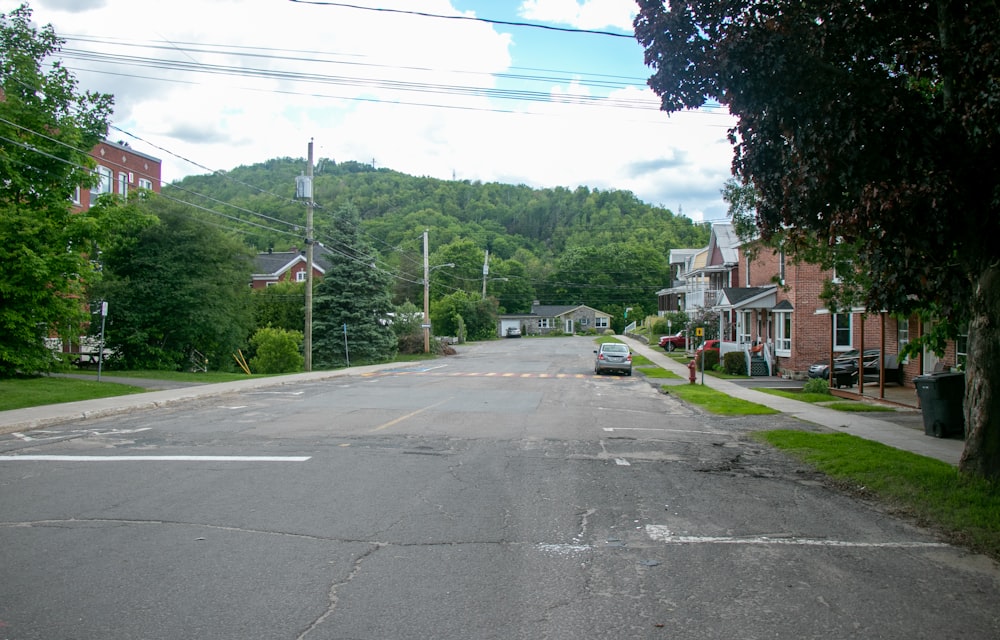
[(376, 67), (585, 14)]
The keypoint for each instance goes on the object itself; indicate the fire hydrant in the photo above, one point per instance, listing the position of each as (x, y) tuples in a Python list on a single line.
[(693, 370)]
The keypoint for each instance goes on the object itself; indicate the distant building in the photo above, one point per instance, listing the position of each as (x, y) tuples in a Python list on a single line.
[(122, 171)]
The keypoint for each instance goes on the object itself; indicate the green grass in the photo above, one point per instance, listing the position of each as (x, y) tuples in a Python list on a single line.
[(176, 376), (831, 401), (654, 371), (716, 401), (967, 510), (20, 393)]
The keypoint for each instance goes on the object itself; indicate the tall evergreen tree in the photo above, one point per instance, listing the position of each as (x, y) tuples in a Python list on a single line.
[(353, 302)]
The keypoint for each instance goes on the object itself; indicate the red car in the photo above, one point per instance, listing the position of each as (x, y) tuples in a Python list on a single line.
[(676, 341), (710, 345)]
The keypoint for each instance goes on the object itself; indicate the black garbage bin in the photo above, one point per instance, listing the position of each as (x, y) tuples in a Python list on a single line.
[(941, 395)]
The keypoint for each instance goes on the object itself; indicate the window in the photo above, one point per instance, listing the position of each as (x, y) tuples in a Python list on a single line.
[(123, 184), (842, 331), (783, 332), (962, 348), (781, 267), (903, 335), (545, 323), (602, 323), (104, 177), (300, 276), (145, 184), (744, 325), (76, 195)]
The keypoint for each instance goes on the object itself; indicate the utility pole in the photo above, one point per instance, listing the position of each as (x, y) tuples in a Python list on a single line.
[(427, 299), (308, 342), (486, 271)]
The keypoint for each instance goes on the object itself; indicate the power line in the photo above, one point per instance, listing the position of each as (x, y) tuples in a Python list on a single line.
[(422, 14)]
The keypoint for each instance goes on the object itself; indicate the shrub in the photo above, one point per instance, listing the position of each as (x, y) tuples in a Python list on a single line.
[(711, 360), (735, 363), (276, 351), (816, 385)]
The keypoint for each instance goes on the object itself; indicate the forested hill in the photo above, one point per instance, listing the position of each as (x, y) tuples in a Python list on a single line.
[(580, 246)]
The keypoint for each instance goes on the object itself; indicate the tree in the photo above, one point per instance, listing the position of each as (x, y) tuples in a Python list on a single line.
[(281, 306), (874, 126), (465, 315), (47, 129), (177, 287), (353, 302)]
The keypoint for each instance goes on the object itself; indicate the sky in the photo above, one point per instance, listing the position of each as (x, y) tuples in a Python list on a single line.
[(209, 85)]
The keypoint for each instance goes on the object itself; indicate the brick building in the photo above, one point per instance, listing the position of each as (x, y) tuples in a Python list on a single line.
[(122, 171)]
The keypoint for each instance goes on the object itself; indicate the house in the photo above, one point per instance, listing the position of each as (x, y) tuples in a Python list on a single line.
[(273, 267), (545, 319), (771, 304), (121, 170)]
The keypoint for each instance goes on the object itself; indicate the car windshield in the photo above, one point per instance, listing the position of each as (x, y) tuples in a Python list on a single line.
[(614, 348)]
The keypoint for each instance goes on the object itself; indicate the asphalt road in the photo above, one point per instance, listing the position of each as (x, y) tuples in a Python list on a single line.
[(506, 492)]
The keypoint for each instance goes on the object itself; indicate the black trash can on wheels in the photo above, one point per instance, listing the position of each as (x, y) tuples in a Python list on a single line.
[(941, 396)]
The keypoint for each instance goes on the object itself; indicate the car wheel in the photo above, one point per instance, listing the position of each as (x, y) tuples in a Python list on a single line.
[(670, 346)]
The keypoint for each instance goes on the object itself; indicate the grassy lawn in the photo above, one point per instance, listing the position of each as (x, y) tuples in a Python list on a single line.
[(966, 510), (653, 371), (830, 401), (33, 392), (716, 401)]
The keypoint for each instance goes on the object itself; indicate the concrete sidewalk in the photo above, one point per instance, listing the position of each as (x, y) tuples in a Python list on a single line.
[(863, 426)]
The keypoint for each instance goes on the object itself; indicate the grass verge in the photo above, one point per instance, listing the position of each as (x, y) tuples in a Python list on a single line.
[(717, 402), (966, 510), (20, 393), (654, 371), (845, 405)]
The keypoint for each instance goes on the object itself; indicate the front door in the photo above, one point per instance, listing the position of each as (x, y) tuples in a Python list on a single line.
[(569, 326)]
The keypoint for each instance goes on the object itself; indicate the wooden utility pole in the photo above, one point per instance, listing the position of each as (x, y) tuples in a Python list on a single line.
[(308, 342)]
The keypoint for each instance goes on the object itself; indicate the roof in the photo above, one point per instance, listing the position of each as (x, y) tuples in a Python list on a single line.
[(747, 297), (784, 305), (276, 262), (554, 311), (724, 237)]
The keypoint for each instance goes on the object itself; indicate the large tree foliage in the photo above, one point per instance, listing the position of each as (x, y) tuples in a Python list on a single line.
[(47, 129), (177, 289), (872, 125), (352, 308)]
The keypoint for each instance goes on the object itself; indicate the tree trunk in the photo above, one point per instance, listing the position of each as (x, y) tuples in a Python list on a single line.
[(982, 380)]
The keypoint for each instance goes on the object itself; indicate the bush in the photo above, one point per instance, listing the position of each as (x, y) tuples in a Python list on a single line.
[(735, 363), (711, 360), (276, 351), (816, 385)]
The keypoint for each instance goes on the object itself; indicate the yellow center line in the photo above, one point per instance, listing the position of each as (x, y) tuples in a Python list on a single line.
[(409, 415)]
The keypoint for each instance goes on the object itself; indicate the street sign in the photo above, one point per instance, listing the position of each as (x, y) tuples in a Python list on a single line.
[(699, 331)]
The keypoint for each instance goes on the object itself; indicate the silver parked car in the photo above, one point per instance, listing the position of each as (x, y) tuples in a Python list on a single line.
[(613, 356)]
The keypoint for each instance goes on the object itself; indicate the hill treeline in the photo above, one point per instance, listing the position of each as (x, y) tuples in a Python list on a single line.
[(605, 249)]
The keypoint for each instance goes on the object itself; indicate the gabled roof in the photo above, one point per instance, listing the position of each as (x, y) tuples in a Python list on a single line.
[(274, 263), (747, 297), (554, 311), (724, 237)]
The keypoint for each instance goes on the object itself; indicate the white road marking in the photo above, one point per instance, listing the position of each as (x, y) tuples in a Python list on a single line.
[(53, 458), (661, 533), (622, 462), (62, 435)]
